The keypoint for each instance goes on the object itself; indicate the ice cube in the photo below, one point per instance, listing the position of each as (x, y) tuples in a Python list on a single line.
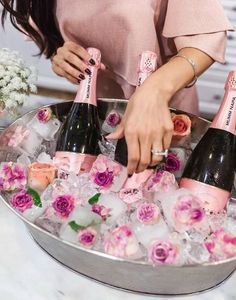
[(230, 225), (32, 144), (180, 158), (49, 225), (44, 158), (112, 120), (33, 213), (68, 234), (182, 210), (108, 147), (107, 174), (195, 252), (231, 208), (46, 130), (83, 216), (23, 159), (216, 220), (148, 233), (117, 206)]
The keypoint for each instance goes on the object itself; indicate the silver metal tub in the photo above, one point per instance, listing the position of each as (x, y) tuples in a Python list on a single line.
[(129, 275)]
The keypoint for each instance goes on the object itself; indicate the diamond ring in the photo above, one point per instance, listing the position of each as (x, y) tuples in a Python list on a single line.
[(158, 152)]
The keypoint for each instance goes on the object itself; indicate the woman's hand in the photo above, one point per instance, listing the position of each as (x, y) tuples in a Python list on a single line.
[(71, 61), (146, 125)]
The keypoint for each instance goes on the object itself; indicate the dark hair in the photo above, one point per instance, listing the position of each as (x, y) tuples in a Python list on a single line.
[(42, 14)]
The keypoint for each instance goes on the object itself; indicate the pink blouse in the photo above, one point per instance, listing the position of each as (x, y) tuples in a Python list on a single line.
[(123, 29)]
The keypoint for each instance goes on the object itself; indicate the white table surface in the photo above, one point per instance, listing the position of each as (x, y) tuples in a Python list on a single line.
[(28, 273)]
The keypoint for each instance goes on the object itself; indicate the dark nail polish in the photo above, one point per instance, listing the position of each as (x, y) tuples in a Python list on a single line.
[(81, 76), (79, 81), (129, 175), (92, 62), (88, 71)]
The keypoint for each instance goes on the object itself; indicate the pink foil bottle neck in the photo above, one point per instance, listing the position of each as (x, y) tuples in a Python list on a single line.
[(147, 65), (225, 119), (87, 89)]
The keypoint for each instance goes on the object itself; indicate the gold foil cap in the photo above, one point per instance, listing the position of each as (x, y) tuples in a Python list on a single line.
[(230, 83)]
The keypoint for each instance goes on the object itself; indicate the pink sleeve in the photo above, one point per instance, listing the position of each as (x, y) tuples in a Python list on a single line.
[(199, 24)]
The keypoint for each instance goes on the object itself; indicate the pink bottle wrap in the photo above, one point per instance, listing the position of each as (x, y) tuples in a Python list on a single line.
[(147, 65), (226, 116), (74, 162), (138, 180), (213, 198), (87, 89)]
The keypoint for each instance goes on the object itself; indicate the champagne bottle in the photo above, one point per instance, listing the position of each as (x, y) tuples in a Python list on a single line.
[(147, 65), (209, 171), (77, 145)]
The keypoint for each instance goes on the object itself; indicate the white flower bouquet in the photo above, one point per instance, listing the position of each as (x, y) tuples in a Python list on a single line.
[(16, 81)]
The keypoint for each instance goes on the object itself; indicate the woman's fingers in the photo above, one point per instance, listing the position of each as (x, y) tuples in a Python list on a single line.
[(73, 60), (60, 72), (145, 153), (117, 134), (133, 152), (79, 51)]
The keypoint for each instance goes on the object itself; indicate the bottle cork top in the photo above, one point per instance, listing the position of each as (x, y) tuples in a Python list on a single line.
[(95, 55), (148, 62)]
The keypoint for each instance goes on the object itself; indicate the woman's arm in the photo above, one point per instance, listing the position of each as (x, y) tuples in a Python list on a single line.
[(178, 72), (147, 123)]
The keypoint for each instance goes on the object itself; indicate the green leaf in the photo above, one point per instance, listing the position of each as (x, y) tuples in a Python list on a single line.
[(94, 199), (36, 197), (76, 227)]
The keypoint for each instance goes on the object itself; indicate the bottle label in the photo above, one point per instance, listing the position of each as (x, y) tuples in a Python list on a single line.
[(230, 112), (87, 89), (73, 162), (213, 198), (226, 116)]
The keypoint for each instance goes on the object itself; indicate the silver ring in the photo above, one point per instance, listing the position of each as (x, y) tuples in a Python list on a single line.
[(158, 152)]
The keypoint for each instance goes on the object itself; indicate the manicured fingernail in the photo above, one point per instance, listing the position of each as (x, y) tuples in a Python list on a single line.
[(79, 81), (88, 71), (92, 62), (81, 76), (129, 175)]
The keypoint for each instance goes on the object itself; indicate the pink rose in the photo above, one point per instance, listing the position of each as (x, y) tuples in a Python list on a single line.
[(63, 205), (101, 211), (188, 211), (162, 252), (44, 115), (172, 163), (129, 195), (87, 237), (13, 176), (161, 181), (121, 242), (104, 179), (104, 170), (113, 119), (148, 213), (22, 201), (221, 244), (182, 125)]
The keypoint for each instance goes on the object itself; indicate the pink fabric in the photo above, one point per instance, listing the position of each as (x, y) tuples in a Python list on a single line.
[(123, 29)]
